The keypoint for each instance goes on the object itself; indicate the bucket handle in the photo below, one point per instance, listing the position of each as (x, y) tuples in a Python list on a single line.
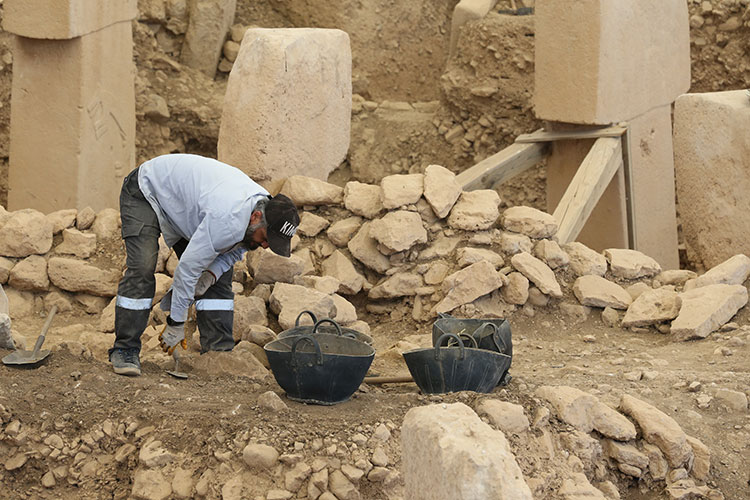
[(319, 354), (336, 325), (466, 338), (310, 313), (495, 336), (462, 353)]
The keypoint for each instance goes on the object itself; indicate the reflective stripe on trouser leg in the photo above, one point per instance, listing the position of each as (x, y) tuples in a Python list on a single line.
[(215, 314)]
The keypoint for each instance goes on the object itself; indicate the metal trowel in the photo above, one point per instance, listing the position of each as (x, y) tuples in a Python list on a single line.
[(176, 373), (23, 357)]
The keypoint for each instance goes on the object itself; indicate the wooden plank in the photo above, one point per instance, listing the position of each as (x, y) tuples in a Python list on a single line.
[(581, 133), (502, 166), (587, 186)]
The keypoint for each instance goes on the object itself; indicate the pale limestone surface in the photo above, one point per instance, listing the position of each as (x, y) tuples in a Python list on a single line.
[(577, 486), (311, 224), (363, 199), (325, 284), (468, 284), (107, 224), (441, 190), (460, 457), (652, 307), (598, 61), (675, 276), (310, 191), (513, 243), (709, 143), (529, 221), (630, 264), (516, 291), (463, 12), (595, 291), (537, 272), (30, 274), (397, 285), (92, 100), (207, 29), (340, 267), (77, 243), (550, 253), (346, 313), (150, 484), (342, 231), (64, 19), (289, 300), (287, 108), (62, 219), (78, 276), (507, 417), (364, 248), (584, 260), (469, 255), (25, 232), (248, 311), (398, 230), (475, 210), (658, 429), (733, 271), (706, 308), (268, 267), (402, 189)]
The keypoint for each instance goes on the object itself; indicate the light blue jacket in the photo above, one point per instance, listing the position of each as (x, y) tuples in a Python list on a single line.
[(206, 202)]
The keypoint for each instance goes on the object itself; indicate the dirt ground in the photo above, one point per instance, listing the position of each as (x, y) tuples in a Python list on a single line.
[(399, 51)]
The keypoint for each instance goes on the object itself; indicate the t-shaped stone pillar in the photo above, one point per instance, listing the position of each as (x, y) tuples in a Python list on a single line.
[(607, 61), (72, 137)]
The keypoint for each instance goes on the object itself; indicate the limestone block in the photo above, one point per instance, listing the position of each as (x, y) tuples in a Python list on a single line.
[(398, 231), (346, 313), (25, 233), (584, 260), (267, 267), (733, 271), (107, 224), (449, 453), (400, 190), (309, 191), (709, 143), (469, 255), (475, 210), (595, 291), (289, 300), (468, 284), (5, 267), (507, 417), (364, 248), (659, 429), (248, 311), (78, 276), (72, 136), (62, 219), (630, 264), (652, 307), (529, 221), (706, 308), (342, 231), (64, 19), (463, 12), (311, 224), (652, 168), (363, 199), (517, 289), (602, 61), (207, 30), (550, 253), (287, 108), (441, 189), (397, 285), (77, 243), (538, 273), (513, 243), (340, 267), (30, 274)]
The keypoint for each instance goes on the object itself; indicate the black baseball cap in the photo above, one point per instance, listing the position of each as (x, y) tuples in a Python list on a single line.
[(282, 221)]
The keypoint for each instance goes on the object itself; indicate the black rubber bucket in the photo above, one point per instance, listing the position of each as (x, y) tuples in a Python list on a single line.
[(320, 326), (439, 369), (320, 369), (491, 334)]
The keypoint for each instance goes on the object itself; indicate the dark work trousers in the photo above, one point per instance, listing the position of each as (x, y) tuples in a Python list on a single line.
[(140, 231)]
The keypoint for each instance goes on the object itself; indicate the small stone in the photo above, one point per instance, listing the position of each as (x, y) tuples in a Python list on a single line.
[(48, 480), (694, 386)]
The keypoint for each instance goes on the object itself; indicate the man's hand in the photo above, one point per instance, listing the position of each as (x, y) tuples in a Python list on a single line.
[(206, 280), (172, 335)]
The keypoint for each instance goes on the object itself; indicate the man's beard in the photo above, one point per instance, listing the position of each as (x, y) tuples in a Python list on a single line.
[(249, 243)]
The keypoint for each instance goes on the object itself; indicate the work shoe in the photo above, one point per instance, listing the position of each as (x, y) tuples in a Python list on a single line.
[(126, 362)]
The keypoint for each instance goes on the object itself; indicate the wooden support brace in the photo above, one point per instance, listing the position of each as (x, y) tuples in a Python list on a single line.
[(587, 186), (502, 166), (577, 134)]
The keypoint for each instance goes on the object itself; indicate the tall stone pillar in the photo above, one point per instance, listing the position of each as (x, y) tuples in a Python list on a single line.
[(72, 137), (600, 62)]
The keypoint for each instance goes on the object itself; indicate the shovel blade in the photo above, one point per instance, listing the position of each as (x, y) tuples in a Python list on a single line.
[(25, 357), (177, 374)]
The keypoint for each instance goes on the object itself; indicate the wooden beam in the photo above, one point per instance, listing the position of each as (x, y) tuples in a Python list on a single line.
[(580, 133), (502, 166), (629, 201), (587, 186)]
